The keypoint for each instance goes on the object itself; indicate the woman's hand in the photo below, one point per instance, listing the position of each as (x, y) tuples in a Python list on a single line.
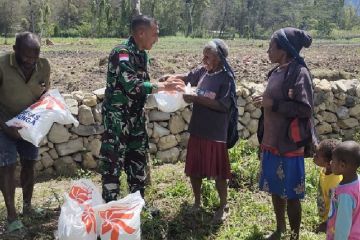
[(171, 86), (257, 101), (291, 93), (267, 102), (263, 101), (189, 98)]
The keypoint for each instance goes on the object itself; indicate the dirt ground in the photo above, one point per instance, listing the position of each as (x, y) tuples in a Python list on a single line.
[(75, 66)]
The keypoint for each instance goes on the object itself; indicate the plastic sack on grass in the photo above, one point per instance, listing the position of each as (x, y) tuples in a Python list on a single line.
[(84, 192), (85, 216), (171, 101), (78, 219), (120, 219), (36, 121)]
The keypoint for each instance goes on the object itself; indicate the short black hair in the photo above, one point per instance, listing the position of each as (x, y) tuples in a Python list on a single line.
[(23, 38), (141, 21), (326, 147), (348, 152)]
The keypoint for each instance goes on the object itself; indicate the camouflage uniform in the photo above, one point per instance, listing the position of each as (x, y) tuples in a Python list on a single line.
[(125, 141)]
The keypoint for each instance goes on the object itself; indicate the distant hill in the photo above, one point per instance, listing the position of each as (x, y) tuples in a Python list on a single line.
[(355, 4)]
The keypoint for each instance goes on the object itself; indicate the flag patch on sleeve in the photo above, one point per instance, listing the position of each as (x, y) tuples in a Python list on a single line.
[(123, 57)]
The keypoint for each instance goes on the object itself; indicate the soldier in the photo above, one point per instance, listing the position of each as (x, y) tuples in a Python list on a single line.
[(24, 77), (125, 141)]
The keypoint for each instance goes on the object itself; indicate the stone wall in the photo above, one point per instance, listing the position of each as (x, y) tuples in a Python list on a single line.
[(337, 109), (66, 148)]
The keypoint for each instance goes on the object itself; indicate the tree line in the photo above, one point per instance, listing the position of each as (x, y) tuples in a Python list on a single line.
[(194, 18)]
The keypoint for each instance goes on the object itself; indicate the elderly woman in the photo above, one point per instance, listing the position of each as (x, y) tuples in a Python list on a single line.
[(288, 95), (207, 155)]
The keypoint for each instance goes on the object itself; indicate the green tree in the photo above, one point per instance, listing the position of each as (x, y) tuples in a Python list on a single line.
[(44, 14), (250, 18), (98, 10), (7, 17)]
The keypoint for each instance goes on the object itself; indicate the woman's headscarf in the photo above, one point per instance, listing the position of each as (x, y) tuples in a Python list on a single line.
[(292, 40)]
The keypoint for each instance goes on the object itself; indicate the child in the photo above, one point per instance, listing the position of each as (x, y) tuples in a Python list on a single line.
[(344, 215), (327, 180)]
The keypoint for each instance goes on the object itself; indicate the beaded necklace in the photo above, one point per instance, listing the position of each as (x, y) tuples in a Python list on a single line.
[(281, 67), (214, 73)]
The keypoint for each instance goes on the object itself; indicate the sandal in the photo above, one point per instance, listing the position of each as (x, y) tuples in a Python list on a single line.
[(33, 212), (220, 215), (17, 229)]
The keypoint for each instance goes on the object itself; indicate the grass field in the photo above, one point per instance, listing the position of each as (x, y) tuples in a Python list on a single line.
[(251, 212), (167, 44)]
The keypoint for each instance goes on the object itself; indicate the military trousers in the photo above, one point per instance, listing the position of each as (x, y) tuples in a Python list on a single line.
[(124, 147)]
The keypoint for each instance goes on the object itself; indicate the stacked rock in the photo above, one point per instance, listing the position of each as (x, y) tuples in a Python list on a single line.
[(66, 148)]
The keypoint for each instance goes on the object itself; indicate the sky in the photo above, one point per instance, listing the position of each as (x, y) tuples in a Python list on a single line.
[(355, 3)]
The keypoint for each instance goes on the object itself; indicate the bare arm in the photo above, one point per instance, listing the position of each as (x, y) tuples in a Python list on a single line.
[(191, 77), (176, 85)]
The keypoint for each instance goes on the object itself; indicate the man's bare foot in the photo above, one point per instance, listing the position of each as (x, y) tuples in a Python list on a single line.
[(29, 211), (194, 209), (275, 235), (294, 236)]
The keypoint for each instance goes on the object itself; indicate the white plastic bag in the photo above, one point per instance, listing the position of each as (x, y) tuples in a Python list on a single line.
[(84, 192), (120, 219), (78, 218), (36, 121), (171, 102), (76, 221), (84, 216)]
